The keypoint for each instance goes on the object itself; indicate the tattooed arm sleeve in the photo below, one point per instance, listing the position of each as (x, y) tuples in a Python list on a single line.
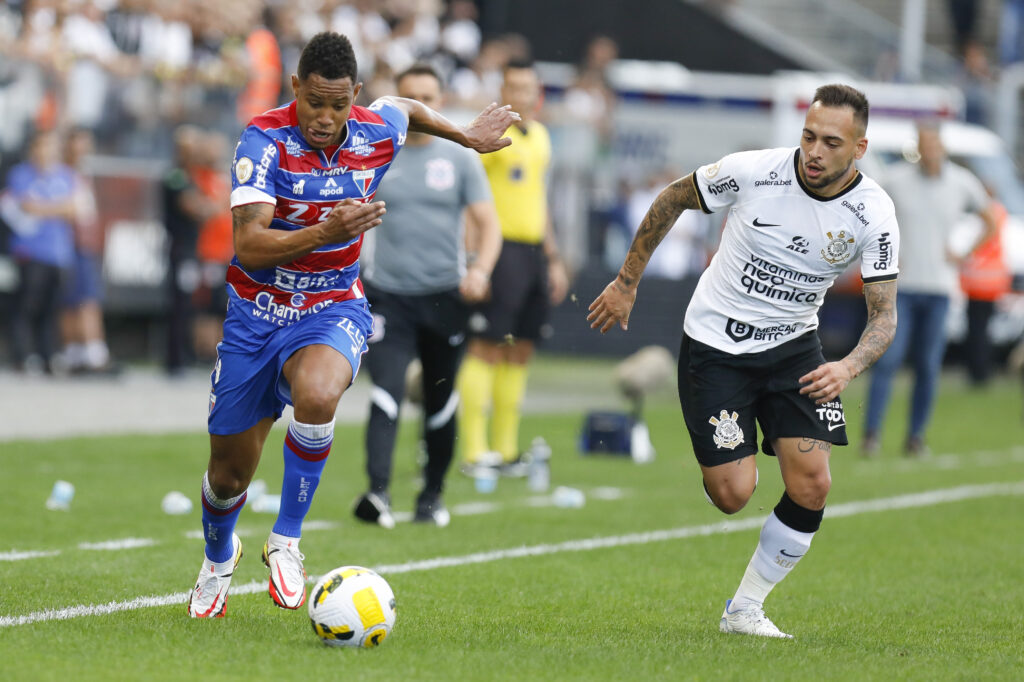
[(880, 328), (661, 216)]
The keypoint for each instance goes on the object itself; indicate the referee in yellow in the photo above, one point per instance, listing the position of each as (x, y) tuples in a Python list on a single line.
[(529, 277)]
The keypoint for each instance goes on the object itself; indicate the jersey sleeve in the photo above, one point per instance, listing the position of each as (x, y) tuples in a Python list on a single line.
[(475, 187), (394, 118), (977, 196), (254, 169), (719, 185), (879, 262)]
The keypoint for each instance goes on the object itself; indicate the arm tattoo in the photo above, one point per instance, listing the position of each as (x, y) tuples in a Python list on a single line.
[(242, 215), (660, 218), (881, 326)]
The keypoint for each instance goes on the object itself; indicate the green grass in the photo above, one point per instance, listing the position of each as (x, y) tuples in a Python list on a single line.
[(924, 593)]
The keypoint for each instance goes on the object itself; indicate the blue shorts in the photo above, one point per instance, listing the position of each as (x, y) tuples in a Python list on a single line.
[(85, 281), (249, 386)]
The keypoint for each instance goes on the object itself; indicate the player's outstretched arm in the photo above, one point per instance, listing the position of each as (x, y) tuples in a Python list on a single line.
[(616, 301), (258, 247), (828, 381), (484, 133), (483, 230)]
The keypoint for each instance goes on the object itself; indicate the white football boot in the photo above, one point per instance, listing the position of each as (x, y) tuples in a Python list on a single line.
[(209, 598), (749, 621), (287, 575)]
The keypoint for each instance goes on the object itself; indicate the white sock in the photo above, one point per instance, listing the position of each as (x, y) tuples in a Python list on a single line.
[(778, 551), (223, 567), (75, 354), (277, 540), (96, 353)]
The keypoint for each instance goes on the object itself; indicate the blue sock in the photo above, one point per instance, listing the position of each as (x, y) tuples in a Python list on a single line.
[(305, 453), (219, 517)]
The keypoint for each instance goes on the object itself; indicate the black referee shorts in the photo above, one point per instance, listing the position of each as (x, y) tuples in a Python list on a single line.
[(519, 303), (723, 396)]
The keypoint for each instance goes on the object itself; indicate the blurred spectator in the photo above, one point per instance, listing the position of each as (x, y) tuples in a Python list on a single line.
[(92, 54), (931, 198), (263, 87), (81, 320), (214, 247), (38, 205), (963, 16), (184, 209), (460, 35), (589, 104), (976, 82), (362, 23), (985, 278), (685, 250), (1011, 32), (479, 83)]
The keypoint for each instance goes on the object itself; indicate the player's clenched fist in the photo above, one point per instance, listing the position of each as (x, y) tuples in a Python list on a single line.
[(350, 218)]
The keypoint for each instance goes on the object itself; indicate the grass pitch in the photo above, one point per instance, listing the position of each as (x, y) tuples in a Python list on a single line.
[(926, 588)]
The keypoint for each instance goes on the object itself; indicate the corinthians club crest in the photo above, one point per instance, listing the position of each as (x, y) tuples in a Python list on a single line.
[(838, 249), (727, 432)]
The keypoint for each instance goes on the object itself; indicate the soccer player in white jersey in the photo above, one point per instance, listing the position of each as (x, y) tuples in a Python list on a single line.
[(297, 321), (750, 353)]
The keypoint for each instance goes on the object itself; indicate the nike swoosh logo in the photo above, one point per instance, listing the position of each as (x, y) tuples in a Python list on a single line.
[(280, 581), (833, 427), (758, 223), (206, 613), (791, 556)]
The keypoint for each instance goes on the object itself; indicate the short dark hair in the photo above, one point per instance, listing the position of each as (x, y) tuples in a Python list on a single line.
[(520, 64), (839, 95), (420, 69), (329, 55)]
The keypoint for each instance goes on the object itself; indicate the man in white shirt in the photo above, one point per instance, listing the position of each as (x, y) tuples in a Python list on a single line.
[(750, 355), (931, 197)]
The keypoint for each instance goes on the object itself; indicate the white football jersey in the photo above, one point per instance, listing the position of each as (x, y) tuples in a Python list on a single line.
[(782, 247)]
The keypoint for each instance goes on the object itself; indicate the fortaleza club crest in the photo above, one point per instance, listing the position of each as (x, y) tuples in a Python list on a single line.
[(838, 249), (363, 179), (727, 432)]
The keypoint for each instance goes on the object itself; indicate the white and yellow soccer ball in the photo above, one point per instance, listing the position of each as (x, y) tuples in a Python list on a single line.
[(352, 606)]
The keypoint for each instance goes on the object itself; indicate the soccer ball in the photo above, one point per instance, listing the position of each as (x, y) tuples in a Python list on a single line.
[(352, 606)]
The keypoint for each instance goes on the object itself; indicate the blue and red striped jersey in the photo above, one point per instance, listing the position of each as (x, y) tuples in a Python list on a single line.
[(274, 165)]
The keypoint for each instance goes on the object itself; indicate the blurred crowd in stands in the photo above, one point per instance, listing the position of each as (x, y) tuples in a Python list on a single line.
[(130, 70), (172, 84), (161, 90)]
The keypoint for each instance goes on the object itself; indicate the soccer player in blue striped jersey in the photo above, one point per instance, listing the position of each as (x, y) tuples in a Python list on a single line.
[(304, 177)]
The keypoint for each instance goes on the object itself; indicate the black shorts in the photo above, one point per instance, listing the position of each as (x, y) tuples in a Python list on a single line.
[(723, 395), (404, 318), (519, 305)]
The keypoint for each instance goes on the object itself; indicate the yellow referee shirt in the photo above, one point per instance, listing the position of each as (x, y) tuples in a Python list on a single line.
[(518, 175)]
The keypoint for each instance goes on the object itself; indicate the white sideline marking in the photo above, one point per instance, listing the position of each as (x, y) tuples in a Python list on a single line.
[(319, 525), (912, 500), (123, 543), (473, 508), (15, 555), (607, 493)]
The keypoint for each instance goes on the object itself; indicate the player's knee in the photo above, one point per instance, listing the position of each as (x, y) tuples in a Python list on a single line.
[(730, 496), (226, 482), (811, 490), (317, 403)]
